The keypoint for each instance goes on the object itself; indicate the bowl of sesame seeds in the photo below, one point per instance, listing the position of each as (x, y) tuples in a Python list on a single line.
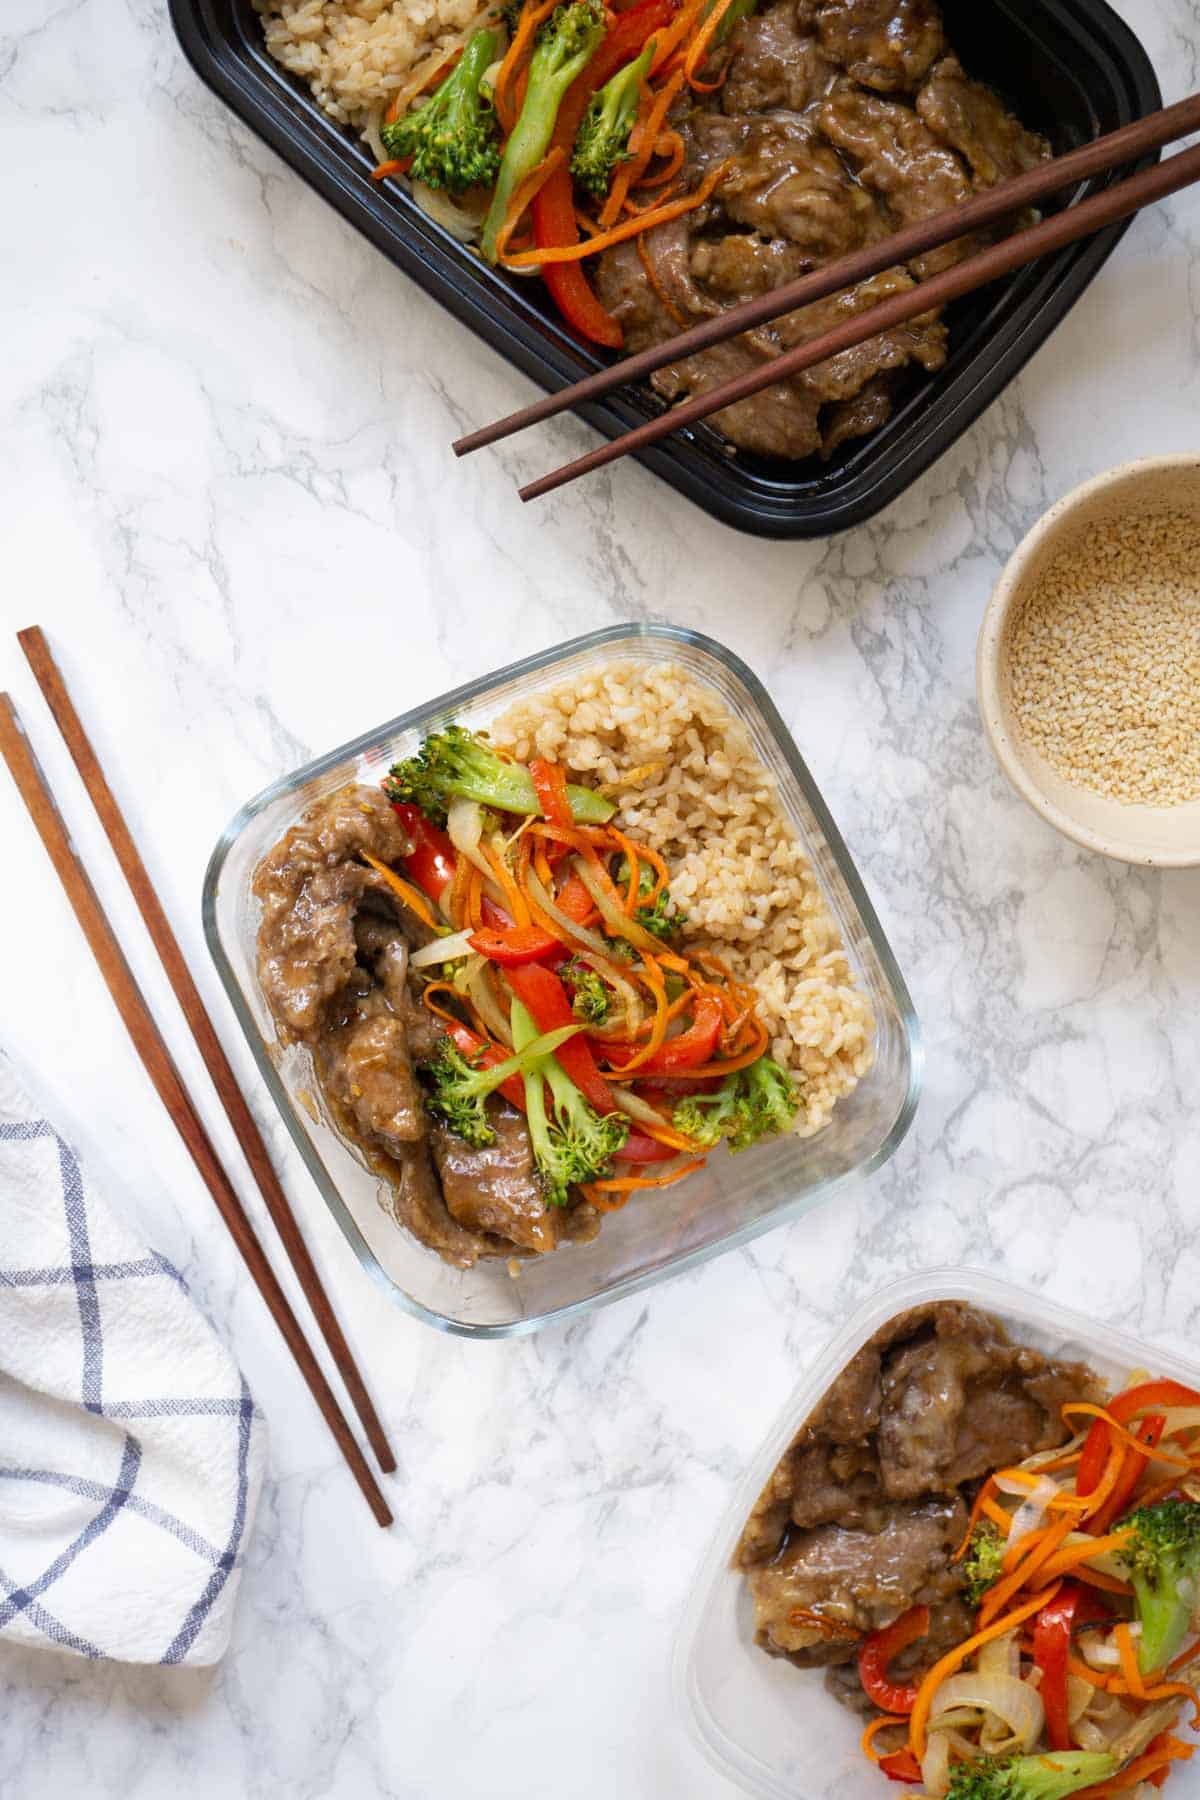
[(1088, 666)]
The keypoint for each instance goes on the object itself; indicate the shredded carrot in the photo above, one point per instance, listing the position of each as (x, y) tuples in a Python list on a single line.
[(632, 210), (524, 192), (474, 901), (667, 42), (1074, 1554), (1083, 1672), (1059, 1503), (727, 1065), (1011, 1584), (996, 1513), (628, 1184), (1129, 1662), (867, 1740), (1107, 1583), (642, 140), (669, 146), (657, 288), (1127, 1438), (412, 896), (512, 893), (1163, 1690), (427, 1000), (658, 1031), (514, 56), (1023, 1545), (1097, 1500), (698, 50), (955, 1658), (396, 165)]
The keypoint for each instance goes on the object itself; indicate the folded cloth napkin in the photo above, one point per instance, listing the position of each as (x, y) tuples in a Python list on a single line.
[(131, 1452)]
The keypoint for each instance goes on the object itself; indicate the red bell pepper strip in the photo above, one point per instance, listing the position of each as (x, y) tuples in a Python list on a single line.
[(514, 945), (639, 1147), (1053, 1628), (877, 1652), (901, 1765), (553, 207), (495, 916), (1122, 1408), (574, 900), (1149, 1432), (550, 785), (543, 994), (431, 861), (687, 1051), (513, 1088)]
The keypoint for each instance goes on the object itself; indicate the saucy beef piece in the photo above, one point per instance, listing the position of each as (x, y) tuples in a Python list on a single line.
[(888, 45), (333, 955), (786, 182), (859, 1580), (494, 1188), (863, 1511), (777, 64), (310, 886), (972, 120)]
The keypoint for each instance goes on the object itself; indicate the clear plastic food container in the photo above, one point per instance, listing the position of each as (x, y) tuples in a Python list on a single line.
[(726, 1203), (761, 1721)]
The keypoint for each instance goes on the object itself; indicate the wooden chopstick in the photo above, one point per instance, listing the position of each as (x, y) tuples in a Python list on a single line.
[(1102, 154), (156, 1058), (1095, 214), (49, 678)]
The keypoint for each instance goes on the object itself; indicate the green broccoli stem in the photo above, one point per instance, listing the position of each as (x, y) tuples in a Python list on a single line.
[(524, 1036), (452, 139), (1164, 1606), (1047, 1777), (563, 51), (511, 789), (603, 137), (577, 1144)]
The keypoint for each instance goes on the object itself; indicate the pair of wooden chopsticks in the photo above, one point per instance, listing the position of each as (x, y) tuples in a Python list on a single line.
[(147, 1041), (1115, 203)]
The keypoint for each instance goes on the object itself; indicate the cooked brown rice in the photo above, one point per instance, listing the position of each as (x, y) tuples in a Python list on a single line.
[(355, 55), (688, 781)]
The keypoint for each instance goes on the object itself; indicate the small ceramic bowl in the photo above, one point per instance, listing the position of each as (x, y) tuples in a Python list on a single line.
[(1165, 837)]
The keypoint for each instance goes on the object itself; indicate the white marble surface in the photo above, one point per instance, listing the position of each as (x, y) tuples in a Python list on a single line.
[(222, 411)]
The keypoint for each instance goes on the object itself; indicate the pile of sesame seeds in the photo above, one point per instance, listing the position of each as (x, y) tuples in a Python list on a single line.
[(1103, 659)]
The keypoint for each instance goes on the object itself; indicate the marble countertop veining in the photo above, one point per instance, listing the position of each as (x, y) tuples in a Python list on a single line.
[(223, 476)]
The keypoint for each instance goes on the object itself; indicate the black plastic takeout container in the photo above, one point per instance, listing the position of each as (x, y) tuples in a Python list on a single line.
[(1071, 68)]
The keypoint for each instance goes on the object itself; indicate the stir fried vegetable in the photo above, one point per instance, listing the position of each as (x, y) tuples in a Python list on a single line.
[(572, 1143), (459, 1088), (603, 138), (751, 1104), (1073, 1684), (458, 763)]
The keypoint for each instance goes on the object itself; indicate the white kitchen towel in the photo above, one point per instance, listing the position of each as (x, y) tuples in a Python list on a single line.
[(131, 1452)]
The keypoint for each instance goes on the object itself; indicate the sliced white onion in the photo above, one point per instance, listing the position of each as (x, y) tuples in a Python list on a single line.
[(935, 1764), (462, 222), (1079, 1697), (618, 922), (578, 934), (1001, 1657), (441, 950), (464, 824), (1015, 1702), (1031, 1513), (479, 990), (1177, 1418)]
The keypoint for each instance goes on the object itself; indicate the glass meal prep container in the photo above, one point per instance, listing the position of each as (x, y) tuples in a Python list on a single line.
[(726, 1203), (1070, 68), (762, 1722)]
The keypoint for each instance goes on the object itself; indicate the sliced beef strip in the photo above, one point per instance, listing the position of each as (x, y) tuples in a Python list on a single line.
[(888, 45), (785, 182), (841, 377), (310, 886), (418, 1204), (494, 1188), (973, 120), (775, 63), (870, 408), (386, 949), (898, 158), (742, 264), (858, 1580), (366, 1070)]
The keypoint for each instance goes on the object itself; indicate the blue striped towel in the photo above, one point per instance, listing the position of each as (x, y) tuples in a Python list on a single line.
[(131, 1452)]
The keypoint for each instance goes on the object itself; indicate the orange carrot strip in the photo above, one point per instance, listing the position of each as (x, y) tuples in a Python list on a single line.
[(698, 50), (642, 140), (976, 1510), (1010, 1585), (628, 1184), (1074, 1554), (1118, 1431), (1129, 1662), (667, 42), (866, 1742), (412, 896), (656, 286), (396, 165)]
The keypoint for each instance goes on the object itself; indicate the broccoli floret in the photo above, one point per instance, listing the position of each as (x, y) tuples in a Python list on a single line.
[(591, 996), (750, 1104), (654, 918), (1046, 1777), (982, 1563), (603, 137), (458, 1087), (574, 1145), (457, 764), (1163, 1559), (565, 45), (453, 139)]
